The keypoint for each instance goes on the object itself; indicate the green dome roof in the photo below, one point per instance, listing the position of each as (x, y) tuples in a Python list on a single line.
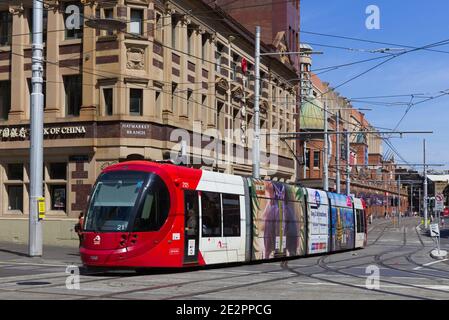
[(312, 115)]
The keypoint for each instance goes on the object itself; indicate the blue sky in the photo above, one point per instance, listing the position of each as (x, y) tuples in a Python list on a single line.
[(404, 22)]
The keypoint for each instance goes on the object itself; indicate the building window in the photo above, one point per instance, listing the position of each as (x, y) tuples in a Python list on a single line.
[(135, 102), (211, 214), (73, 20), (316, 159), (15, 197), (233, 70), (44, 25), (108, 13), (73, 94), (231, 215), (58, 171), (5, 28), (5, 99), (218, 55), (14, 171), (56, 183), (58, 197), (135, 26), (108, 101)]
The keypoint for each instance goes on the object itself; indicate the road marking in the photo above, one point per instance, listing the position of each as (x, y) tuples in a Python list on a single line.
[(35, 264), (429, 264)]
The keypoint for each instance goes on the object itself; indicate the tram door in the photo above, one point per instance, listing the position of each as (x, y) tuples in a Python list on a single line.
[(191, 230)]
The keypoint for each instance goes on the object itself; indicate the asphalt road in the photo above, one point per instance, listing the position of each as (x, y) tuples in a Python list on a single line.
[(406, 271)]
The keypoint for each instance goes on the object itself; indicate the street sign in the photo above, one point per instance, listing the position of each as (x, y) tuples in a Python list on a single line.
[(434, 230), (439, 202)]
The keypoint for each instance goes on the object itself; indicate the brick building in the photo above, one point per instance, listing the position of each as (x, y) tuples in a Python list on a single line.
[(373, 178)]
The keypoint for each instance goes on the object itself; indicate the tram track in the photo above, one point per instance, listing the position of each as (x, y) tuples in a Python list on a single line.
[(292, 270), (381, 262), (295, 272)]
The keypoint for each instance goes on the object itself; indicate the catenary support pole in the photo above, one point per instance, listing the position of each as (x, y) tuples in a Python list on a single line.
[(348, 170), (256, 139), (337, 152), (325, 153), (36, 135), (425, 185)]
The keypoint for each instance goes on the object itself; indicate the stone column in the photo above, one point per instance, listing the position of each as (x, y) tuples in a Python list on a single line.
[(121, 104), (54, 101), (89, 104), (183, 39), (167, 110), (18, 81)]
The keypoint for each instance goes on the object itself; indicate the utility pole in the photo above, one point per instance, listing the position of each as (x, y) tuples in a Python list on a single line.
[(411, 198), (425, 185), (256, 139), (348, 170), (419, 202), (325, 151), (399, 200), (305, 162), (36, 136), (337, 153)]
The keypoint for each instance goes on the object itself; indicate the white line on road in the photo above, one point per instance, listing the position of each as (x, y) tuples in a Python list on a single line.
[(35, 264), (429, 264)]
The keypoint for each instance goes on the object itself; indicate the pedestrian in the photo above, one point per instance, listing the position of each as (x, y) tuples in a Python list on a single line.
[(79, 227)]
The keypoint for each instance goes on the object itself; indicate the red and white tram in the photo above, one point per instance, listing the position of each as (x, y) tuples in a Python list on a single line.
[(143, 214)]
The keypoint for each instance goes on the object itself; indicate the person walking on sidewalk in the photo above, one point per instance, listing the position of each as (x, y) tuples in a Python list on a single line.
[(79, 227)]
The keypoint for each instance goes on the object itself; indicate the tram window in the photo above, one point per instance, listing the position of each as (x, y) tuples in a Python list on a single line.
[(359, 214), (231, 215), (154, 210), (211, 214), (112, 203)]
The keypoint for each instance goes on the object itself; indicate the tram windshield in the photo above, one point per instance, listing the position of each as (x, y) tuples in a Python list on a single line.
[(113, 201)]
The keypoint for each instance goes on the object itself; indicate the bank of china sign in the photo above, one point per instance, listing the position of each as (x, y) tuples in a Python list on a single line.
[(22, 133)]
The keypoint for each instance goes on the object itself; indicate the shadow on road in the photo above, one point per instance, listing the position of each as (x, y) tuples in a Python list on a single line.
[(17, 253)]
